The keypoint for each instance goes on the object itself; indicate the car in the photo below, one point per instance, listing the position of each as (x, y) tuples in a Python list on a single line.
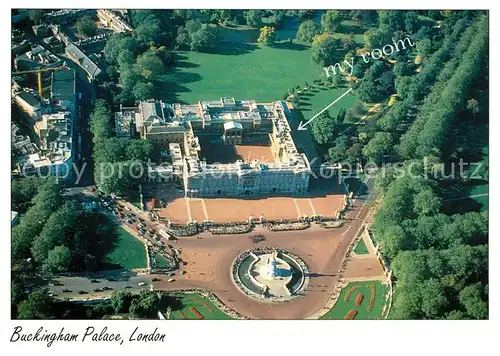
[(129, 221), (141, 220), (82, 292), (171, 280), (141, 284), (127, 287), (98, 289), (127, 208), (171, 274), (156, 279), (106, 288), (140, 224), (66, 290), (95, 281), (110, 279), (141, 233), (152, 231)]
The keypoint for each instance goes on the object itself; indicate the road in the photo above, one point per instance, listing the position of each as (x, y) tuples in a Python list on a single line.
[(74, 284)]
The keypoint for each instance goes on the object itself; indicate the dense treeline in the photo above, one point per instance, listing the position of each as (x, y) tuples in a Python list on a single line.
[(440, 261), (427, 135), (117, 161)]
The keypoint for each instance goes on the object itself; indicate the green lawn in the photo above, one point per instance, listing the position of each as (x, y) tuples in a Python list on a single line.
[(161, 262), (361, 248), (255, 72), (129, 252), (341, 308), (183, 302)]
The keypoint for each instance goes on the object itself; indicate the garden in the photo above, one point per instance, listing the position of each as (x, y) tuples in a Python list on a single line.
[(359, 300), (187, 306)]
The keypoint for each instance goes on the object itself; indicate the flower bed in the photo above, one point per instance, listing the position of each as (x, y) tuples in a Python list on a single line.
[(359, 299), (351, 314), (348, 294), (196, 313), (206, 305), (288, 226), (234, 229), (331, 224), (372, 297)]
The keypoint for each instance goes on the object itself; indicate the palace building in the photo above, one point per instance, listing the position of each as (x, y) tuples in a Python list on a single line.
[(220, 148)]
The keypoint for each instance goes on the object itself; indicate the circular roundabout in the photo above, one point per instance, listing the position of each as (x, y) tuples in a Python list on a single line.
[(270, 274)]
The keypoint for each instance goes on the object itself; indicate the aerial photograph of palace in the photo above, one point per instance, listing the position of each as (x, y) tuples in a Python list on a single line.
[(185, 164)]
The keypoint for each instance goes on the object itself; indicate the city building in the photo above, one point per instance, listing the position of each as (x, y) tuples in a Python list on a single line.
[(225, 147), (30, 103), (85, 62), (55, 157), (110, 19), (63, 89)]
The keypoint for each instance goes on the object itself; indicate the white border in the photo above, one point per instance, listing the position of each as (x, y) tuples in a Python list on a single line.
[(267, 337)]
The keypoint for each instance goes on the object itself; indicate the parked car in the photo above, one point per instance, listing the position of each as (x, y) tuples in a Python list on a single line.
[(156, 279), (82, 292), (98, 289), (129, 221), (95, 281), (106, 288), (141, 284), (127, 287), (66, 290), (127, 208)]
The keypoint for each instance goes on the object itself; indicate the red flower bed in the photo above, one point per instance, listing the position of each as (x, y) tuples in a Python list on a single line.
[(372, 297), (359, 299), (351, 315), (348, 294), (196, 313)]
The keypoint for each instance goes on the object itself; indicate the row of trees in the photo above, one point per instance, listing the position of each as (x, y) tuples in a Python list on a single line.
[(439, 260), (39, 305), (117, 161), (428, 135)]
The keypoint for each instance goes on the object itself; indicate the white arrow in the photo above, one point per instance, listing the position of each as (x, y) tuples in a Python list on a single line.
[(303, 126)]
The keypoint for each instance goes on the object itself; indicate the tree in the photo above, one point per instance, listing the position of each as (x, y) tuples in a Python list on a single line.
[(118, 43), (267, 36), (38, 306), (253, 17), (433, 298), (330, 21), (326, 50), (143, 90), (308, 30), (139, 150), (145, 305), (193, 26), (473, 106), (471, 298), (203, 39), (148, 31), (100, 121), (411, 22), (121, 300), (368, 91), (424, 47), (378, 147), (376, 38), (149, 65), (58, 260), (85, 26), (337, 153), (426, 203), (323, 128), (392, 20)]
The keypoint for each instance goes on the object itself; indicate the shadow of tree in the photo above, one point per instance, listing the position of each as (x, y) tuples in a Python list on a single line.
[(290, 46)]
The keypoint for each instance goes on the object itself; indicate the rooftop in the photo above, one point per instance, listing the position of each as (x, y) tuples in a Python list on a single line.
[(63, 85)]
